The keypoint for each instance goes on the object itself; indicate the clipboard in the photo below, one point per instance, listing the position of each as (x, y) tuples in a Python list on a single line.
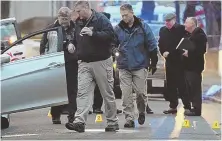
[(185, 43)]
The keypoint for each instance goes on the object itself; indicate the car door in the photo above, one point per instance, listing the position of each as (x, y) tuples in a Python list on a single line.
[(36, 81)]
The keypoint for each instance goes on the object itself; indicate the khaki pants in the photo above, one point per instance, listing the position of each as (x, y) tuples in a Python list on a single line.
[(90, 74), (137, 81)]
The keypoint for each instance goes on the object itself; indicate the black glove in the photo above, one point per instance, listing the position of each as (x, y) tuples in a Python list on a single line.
[(152, 69), (154, 60)]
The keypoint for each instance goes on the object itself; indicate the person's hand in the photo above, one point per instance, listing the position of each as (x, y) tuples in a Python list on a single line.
[(185, 52), (71, 48), (86, 31), (152, 69), (165, 54)]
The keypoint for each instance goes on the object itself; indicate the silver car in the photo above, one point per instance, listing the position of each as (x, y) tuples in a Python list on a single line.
[(35, 82)]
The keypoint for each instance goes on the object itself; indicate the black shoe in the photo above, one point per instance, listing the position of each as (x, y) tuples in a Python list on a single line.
[(141, 118), (97, 111), (56, 120), (90, 112), (112, 128), (191, 113), (78, 127), (148, 110), (119, 111), (129, 124), (170, 111)]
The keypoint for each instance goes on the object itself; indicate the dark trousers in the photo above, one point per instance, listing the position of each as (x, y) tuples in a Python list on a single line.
[(98, 100), (194, 80), (72, 84), (176, 87)]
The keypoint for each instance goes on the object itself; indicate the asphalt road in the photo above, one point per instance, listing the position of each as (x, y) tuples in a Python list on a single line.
[(36, 125)]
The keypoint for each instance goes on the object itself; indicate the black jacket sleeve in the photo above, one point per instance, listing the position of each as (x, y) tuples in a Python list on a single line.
[(106, 33), (161, 45), (154, 57), (200, 41)]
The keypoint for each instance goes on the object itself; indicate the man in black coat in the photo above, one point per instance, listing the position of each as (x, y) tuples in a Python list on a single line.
[(71, 65), (194, 65), (170, 36)]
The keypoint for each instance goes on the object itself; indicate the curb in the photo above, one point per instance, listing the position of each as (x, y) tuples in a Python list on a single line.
[(214, 99)]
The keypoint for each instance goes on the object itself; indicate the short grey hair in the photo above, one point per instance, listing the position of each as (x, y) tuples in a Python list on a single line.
[(126, 6), (194, 20), (82, 2)]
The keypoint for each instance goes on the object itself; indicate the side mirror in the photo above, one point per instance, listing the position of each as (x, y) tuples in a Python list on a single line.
[(5, 58)]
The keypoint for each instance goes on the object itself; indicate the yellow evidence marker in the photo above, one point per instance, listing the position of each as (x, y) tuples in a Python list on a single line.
[(216, 125), (186, 123), (99, 118), (49, 114)]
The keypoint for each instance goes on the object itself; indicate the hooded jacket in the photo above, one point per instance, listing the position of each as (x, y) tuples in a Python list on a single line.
[(136, 45)]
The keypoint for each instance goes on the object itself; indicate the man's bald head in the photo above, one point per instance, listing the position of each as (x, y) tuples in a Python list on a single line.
[(190, 24)]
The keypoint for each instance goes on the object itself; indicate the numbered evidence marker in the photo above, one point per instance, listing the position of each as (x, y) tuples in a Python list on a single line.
[(99, 118), (216, 125), (49, 114), (186, 123)]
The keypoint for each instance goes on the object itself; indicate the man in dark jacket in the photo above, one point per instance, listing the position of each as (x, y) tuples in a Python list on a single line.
[(94, 34), (169, 37), (136, 46), (98, 100), (71, 65), (194, 65)]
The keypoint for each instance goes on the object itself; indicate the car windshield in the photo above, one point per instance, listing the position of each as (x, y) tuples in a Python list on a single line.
[(7, 32)]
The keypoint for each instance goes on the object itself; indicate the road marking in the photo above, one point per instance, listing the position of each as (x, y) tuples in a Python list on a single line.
[(179, 119), (18, 135)]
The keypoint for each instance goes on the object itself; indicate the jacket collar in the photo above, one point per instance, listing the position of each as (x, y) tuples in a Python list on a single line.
[(137, 22)]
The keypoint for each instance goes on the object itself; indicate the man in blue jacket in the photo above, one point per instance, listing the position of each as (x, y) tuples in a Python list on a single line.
[(137, 45)]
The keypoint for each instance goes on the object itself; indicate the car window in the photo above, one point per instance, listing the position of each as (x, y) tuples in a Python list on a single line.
[(31, 46), (8, 32)]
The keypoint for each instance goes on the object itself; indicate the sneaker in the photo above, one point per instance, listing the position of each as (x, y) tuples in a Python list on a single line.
[(170, 111), (112, 128), (141, 118), (129, 124), (78, 127), (56, 120), (97, 111)]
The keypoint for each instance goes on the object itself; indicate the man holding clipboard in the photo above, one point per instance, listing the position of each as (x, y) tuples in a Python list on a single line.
[(194, 64), (172, 49)]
